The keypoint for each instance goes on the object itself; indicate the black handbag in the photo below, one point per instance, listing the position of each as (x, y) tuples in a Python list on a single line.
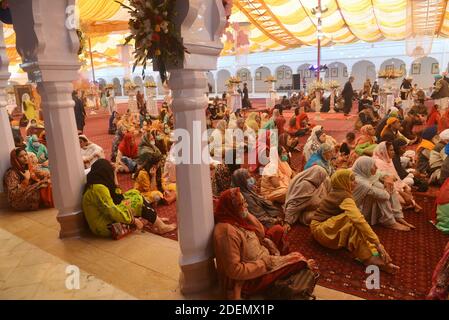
[(148, 212), (297, 286)]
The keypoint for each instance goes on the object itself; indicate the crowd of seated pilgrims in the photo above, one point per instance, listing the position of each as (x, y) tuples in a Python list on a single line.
[(343, 189)]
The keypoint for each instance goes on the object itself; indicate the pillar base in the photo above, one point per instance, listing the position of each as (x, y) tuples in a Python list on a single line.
[(197, 277), (72, 225)]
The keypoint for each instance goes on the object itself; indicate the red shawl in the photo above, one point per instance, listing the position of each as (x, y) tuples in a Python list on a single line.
[(434, 118), (443, 123), (15, 163), (128, 147), (228, 210)]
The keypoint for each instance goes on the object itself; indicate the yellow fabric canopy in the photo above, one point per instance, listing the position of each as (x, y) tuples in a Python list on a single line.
[(277, 24)]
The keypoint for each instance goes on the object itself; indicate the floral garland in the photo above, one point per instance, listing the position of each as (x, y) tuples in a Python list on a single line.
[(150, 84), (390, 74), (154, 33), (316, 85), (333, 84)]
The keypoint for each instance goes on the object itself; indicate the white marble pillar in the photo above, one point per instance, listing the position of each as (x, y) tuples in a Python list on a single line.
[(7, 143), (201, 36), (194, 202), (57, 61)]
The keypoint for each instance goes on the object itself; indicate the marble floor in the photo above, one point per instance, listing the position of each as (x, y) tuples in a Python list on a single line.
[(36, 264)]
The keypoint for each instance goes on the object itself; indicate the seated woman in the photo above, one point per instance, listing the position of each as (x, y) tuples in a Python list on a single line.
[(90, 152), (124, 124), (276, 177), (288, 142), (429, 138), (366, 143), (383, 155), (399, 147), (148, 145), (437, 156), (161, 136), (262, 209), (249, 259), (440, 278), (149, 181), (104, 204), (40, 150), (253, 122), (304, 194), (25, 188), (317, 137), (322, 158), (376, 198), (222, 172), (127, 154), (338, 224), (217, 140)]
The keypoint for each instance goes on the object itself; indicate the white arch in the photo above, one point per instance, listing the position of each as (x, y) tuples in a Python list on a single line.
[(117, 87), (423, 71), (336, 72), (284, 77), (361, 71), (261, 74), (139, 82), (222, 76), (397, 64), (245, 75)]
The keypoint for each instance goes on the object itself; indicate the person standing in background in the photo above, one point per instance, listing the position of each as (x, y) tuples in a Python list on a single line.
[(348, 94)]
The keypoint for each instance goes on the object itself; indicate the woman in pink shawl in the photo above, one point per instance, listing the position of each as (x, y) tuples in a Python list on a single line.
[(383, 155), (260, 151)]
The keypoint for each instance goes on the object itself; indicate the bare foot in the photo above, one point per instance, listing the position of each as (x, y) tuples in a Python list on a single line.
[(405, 223), (378, 261), (418, 208), (389, 268), (164, 228), (398, 226)]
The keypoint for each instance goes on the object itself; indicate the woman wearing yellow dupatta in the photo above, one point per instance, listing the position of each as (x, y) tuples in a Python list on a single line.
[(253, 121), (29, 108), (338, 223)]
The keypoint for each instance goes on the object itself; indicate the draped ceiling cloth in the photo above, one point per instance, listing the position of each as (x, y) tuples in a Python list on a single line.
[(276, 24)]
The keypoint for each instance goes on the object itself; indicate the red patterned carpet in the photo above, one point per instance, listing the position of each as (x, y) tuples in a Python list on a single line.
[(416, 252)]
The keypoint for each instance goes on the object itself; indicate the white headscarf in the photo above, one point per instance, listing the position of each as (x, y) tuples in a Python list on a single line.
[(444, 135)]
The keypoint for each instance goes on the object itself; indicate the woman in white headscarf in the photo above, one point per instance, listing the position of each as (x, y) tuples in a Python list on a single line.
[(90, 152), (317, 137), (378, 201)]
